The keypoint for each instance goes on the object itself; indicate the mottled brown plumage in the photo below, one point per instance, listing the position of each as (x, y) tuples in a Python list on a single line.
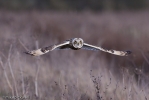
[(74, 44)]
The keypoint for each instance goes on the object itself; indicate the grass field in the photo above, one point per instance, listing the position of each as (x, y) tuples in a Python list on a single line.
[(68, 74)]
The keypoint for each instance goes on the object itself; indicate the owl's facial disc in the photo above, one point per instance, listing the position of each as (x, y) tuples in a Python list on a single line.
[(77, 43)]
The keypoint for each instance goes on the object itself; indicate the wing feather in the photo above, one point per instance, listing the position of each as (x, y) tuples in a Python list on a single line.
[(115, 52), (45, 50)]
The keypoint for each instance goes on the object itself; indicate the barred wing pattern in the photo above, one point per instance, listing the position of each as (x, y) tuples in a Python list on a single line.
[(45, 50), (75, 44), (115, 52)]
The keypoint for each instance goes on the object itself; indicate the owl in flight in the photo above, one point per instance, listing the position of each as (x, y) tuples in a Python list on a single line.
[(75, 44)]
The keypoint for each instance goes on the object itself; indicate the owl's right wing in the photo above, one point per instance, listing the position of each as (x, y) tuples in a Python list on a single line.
[(44, 50), (115, 52)]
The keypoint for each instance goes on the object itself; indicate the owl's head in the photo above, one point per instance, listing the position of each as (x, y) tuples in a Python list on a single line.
[(77, 43)]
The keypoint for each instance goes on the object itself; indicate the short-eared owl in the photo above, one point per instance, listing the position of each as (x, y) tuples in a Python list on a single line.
[(75, 44)]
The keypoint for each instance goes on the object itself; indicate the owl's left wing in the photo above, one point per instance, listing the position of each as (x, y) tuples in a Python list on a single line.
[(44, 50), (115, 52)]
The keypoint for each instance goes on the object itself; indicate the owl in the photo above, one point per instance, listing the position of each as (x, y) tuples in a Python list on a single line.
[(75, 44)]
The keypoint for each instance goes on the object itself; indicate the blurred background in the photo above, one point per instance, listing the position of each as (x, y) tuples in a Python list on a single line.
[(67, 74), (77, 5)]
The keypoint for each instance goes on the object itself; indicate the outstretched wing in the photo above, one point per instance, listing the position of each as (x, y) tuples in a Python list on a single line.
[(115, 52), (44, 50)]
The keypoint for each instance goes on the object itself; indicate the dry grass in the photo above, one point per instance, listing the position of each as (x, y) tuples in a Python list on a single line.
[(74, 75)]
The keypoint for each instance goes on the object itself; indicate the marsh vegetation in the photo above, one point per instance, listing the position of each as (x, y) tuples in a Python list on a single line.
[(74, 75)]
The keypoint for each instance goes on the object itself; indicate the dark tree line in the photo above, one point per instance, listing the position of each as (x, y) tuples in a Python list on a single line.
[(79, 5)]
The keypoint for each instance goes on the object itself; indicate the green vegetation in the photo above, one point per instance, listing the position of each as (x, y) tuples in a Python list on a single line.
[(76, 5)]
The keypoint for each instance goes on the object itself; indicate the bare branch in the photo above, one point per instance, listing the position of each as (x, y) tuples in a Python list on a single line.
[(3, 55), (22, 76), (6, 76), (23, 45), (12, 74), (144, 57), (36, 77)]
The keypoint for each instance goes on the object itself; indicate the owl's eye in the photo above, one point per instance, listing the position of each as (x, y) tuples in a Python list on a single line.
[(80, 42), (75, 42)]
